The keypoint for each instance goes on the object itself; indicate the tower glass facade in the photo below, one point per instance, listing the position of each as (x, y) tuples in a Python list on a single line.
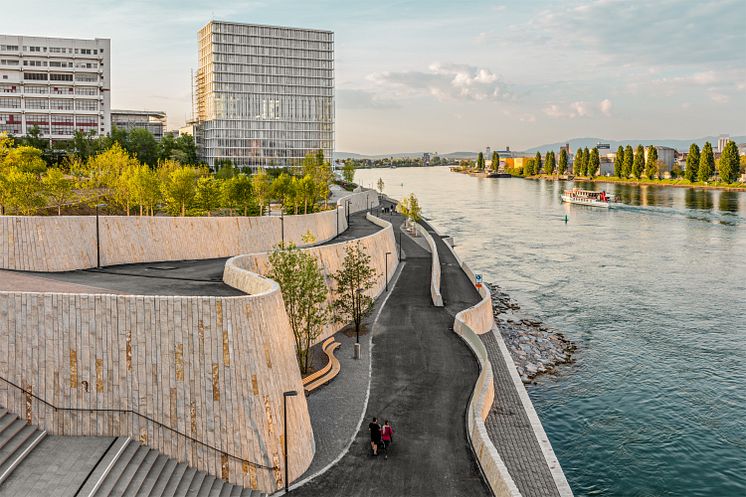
[(264, 94)]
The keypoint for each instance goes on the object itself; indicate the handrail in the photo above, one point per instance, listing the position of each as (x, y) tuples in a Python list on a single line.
[(143, 416)]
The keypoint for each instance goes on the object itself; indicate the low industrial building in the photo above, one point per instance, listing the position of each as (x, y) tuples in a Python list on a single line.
[(153, 121)]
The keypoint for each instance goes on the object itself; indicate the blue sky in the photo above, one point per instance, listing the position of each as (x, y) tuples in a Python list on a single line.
[(445, 75)]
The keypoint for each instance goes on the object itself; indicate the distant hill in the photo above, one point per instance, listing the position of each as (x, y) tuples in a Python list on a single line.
[(681, 145), (403, 155)]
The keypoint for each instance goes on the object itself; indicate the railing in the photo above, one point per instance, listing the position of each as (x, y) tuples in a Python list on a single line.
[(142, 416)]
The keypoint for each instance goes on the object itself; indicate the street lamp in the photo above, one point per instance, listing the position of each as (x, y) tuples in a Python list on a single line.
[(386, 275), (282, 225), (98, 237), (337, 219), (285, 395), (399, 243), (348, 213)]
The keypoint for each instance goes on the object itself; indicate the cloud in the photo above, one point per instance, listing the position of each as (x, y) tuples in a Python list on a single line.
[(605, 106), (719, 98), (447, 82), (362, 99)]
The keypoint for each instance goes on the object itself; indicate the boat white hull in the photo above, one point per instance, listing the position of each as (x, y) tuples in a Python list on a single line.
[(583, 201)]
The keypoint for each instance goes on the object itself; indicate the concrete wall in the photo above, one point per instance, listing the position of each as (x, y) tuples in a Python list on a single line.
[(65, 243), (435, 270), (480, 316), (213, 369), (330, 259)]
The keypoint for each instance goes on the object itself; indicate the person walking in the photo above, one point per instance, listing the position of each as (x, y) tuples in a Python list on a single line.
[(387, 434), (375, 435)]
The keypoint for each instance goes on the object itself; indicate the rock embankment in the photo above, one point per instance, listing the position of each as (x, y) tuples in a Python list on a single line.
[(535, 347)]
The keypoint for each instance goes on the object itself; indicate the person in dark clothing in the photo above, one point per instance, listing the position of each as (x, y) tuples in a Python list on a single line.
[(375, 435)]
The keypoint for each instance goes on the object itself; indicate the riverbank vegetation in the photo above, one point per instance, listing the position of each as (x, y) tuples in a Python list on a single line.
[(132, 174)]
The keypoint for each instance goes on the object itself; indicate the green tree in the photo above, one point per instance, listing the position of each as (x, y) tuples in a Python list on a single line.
[(237, 193), (84, 145), (179, 189), (495, 162), (261, 185), (146, 189), (638, 164), (729, 165), (577, 163), (706, 163), (692, 163), (562, 165), (307, 192), (186, 150), (380, 185), (23, 193), (304, 294), (143, 146), (619, 162), (551, 163), (480, 162), (651, 170), (538, 164), (629, 156), (594, 163), (353, 280), (225, 169), (35, 139), (208, 194), (57, 188), (586, 161), (348, 171)]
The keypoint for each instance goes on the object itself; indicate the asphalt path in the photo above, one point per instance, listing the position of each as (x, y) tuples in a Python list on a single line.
[(422, 377)]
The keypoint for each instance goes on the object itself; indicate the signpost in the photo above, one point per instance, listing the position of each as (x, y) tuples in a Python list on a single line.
[(478, 277)]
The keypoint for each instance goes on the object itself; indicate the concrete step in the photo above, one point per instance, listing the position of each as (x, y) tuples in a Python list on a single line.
[(141, 472), (173, 482), (21, 434), (21, 446), (154, 473), (130, 470), (111, 479), (11, 426), (204, 489), (104, 467), (195, 484), (185, 482), (163, 477)]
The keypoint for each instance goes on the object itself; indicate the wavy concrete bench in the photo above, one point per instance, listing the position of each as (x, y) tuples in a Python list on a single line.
[(328, 372)]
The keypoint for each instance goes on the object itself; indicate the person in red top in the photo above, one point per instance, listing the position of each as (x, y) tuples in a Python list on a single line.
[(387, 433)]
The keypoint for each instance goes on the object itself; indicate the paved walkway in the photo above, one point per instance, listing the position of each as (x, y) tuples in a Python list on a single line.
[(507, 424), (422, 378)]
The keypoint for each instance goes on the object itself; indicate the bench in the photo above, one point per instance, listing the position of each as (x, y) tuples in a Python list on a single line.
[(328, 372)]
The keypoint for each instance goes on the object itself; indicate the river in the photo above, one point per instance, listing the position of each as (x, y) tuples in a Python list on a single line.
[(653, 292)]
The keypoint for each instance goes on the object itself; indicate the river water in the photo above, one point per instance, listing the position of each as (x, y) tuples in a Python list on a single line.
[(654, 295)]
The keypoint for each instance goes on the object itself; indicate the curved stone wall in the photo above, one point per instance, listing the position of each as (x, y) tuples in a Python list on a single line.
[(330, 259), (435, 267), (213, 369), (65, 243)]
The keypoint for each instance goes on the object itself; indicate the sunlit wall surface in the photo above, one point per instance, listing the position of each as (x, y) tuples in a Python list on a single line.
[(264, 94)]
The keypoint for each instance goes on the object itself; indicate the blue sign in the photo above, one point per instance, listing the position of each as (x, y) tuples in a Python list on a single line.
[(478, 277)]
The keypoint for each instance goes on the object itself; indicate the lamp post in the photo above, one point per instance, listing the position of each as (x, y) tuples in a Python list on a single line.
[(348, 213), (386, 275), (285, 395), (282, 225), (337, 219), (399, 243), (356, 311), (98, 237)]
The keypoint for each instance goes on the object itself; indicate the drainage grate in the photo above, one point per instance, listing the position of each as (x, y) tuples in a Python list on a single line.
[(163, 268)]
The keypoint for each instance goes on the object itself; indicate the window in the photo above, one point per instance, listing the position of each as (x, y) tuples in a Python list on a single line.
[(86, 78), (37, 103), (86, 123), (35, 89), (86, 105), (59, 104), (8, 48), (35, 76), (10, 123), (86, 91), (60, 77), (10, 103), (62, 125), (8, 62), (8, 89)]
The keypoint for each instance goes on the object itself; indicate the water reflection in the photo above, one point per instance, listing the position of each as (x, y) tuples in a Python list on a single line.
[(698, 199), (728, 201)]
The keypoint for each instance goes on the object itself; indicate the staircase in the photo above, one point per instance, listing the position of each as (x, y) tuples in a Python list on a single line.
[(129, 469), (17, 440)]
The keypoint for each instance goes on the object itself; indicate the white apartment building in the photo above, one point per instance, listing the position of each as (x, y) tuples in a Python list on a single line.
[(60, 85), (264, 94)]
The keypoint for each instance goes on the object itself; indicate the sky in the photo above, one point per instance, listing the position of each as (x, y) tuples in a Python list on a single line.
[(447, 76)]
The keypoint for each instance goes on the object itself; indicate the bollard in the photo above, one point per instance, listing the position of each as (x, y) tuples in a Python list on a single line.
[(357, 351)]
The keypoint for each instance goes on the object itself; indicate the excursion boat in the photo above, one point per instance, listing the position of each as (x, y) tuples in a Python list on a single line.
[(587, 197)]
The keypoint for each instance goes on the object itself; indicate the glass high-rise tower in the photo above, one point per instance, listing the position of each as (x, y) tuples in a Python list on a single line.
[(264, 94)]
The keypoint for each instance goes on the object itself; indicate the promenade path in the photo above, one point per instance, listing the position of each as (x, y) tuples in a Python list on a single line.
[(422, 376)]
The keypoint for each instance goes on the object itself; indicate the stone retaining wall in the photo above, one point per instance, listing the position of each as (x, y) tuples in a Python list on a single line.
[(66, 243), (435, 268), (330, 259), (213, 369)]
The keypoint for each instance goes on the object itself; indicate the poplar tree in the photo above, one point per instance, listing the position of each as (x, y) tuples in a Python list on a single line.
[(495, 161), (692, 163), (706, 163), (577, 162), (651, 170), (638, 164), (537, 164), (627, 164), (480, 161), (729, 166), (550, 163), (619, 162), (586, 161), (562, 166), (594, 163)]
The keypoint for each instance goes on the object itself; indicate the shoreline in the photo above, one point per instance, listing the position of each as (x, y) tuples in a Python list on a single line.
[(536, 348)]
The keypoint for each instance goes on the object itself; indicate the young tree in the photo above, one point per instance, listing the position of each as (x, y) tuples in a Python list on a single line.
[(619, 162), (207, 194), (538, 164), (495, 162), (26, 159), (143, 146), (594, 163), (729, 165), (186, 150), (237, 193), (179, 190), (35, 139), (354, 279), (261, 186), (628, 161), (304, 293), (480, 162), (23, 192), (651, 170), (348, 171), (706, 163), (562, 165), (380, 185), (57, 188), (586, 161), (146, 186), (577, 163), (638, 164), (692, 163)]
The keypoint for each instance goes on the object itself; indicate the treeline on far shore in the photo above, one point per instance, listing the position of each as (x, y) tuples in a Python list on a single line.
[(640, 163)]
